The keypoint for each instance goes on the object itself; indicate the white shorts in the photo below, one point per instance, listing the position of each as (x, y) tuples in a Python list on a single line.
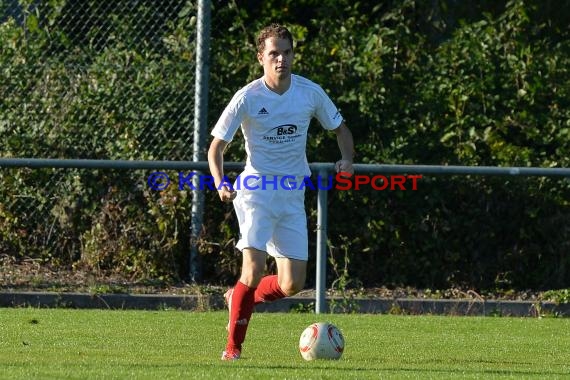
[(272, 220)]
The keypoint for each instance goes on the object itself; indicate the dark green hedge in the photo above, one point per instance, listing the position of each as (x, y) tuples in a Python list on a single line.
[(440, 82)]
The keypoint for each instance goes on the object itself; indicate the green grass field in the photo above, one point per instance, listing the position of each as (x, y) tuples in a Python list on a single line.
[(102, 344)]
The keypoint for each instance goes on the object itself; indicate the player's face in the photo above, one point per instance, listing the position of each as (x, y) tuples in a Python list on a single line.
[(277, 57)]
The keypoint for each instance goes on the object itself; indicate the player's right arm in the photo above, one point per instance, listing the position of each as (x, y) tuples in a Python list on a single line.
[(216, 164)]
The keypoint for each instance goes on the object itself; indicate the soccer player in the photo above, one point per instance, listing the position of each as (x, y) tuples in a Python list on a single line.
[(274, 113)]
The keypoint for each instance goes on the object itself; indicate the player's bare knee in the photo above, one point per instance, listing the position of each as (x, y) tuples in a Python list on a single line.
[(250, 278), (253, 267), (291, 288), (289, 291)]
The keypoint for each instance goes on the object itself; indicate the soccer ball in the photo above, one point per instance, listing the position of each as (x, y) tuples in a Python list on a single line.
[(321, 340)]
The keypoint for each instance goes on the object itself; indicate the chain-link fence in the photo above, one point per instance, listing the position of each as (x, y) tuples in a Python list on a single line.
[(100, 79), (122, 67)]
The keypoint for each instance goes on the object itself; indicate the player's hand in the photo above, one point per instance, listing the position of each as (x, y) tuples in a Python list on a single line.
[(226, 194), (344, 166)]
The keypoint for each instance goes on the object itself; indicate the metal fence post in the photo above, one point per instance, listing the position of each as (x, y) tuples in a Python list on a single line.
[(200, 127), (321, 275)]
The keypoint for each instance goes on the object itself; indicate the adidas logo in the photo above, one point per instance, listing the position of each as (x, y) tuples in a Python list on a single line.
[(242, 322), (263, 111)]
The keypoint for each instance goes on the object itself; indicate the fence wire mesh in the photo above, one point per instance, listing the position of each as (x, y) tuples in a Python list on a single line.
[(96, 79), (115, 79)]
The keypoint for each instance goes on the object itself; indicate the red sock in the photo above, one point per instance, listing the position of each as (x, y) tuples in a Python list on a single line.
[(268, 290), (242, 308)]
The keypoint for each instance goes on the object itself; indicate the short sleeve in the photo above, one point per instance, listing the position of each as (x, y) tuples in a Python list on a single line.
[(230, 119), (327, 113)]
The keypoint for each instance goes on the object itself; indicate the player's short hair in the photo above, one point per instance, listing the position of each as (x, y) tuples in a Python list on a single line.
[(273, 30)]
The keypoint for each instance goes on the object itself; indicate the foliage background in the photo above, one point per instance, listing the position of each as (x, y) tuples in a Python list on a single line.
[(440, 82)]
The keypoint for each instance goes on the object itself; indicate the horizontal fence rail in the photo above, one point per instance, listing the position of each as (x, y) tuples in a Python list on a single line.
[(322, 169), (316, 167)]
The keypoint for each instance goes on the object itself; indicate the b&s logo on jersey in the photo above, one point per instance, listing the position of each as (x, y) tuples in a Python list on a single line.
[(282, 134)]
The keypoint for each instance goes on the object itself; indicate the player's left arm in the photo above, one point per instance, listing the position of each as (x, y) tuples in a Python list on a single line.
[(346, 146)]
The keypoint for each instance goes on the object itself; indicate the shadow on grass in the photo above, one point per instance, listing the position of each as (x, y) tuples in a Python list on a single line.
[(362, 371)]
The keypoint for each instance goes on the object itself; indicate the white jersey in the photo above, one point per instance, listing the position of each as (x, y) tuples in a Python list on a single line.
[(275, 126)]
